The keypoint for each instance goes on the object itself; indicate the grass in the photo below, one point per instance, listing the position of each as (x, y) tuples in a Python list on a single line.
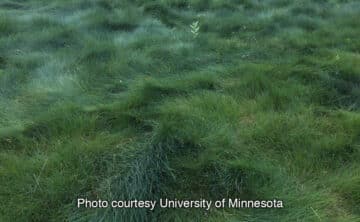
[(119, 100)]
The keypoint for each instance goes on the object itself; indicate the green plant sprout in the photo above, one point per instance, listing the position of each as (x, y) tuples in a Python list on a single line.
[(195, 28)]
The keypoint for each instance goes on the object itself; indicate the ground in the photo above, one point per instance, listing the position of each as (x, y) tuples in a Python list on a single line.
[(108, 99)]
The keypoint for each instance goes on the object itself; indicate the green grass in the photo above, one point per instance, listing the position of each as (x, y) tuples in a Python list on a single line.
[(119, 100)]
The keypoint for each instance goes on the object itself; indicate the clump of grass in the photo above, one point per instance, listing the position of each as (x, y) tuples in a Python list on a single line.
[(125, 20), (7, 25), (11, 5), (2, 62)]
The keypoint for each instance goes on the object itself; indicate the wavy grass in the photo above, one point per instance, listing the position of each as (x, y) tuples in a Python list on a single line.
[(117, 100)]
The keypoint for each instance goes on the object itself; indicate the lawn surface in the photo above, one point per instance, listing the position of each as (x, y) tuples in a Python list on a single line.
[(110, 99)]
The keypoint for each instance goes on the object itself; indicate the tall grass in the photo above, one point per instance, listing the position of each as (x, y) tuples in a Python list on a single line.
[(109, 99)]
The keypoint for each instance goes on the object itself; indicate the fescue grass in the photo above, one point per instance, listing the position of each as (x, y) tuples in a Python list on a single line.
[(110, 99)]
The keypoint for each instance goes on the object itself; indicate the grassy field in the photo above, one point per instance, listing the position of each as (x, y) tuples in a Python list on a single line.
[(136, 99)]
